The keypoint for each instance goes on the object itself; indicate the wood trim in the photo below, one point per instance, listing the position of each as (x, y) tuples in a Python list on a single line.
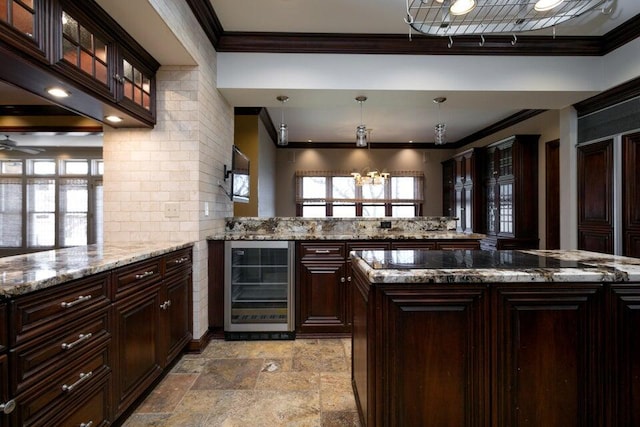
[(399, 44), (58, 129), (34, 110), (621, 35), (206, 16), (613, 96), (505, 123), (552, 195), (198, 345), (263, 115)]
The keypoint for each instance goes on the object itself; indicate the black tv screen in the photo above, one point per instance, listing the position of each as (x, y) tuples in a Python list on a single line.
[(239, 176)]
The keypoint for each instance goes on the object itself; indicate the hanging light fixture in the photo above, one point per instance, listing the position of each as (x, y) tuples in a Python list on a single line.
[(283, 133), (440, 129), (370, 176), (483, 17), (361, 130)]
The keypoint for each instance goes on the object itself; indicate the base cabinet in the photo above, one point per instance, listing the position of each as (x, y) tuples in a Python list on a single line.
[(5, 402), (551, 355)]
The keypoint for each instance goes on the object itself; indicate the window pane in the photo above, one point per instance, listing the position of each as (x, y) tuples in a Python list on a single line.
[(23, 19), (75, 167), (69, 26), (98, 167), (344, 211), (314, 211), (11, 167), (44, 167), (314, 187), (343, 188), (74, 204), (373, 210), (402, 187), (11, 212), (373, 192), (41, 212), (403, 211)]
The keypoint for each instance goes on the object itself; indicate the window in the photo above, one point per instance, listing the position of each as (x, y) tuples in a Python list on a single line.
[(335, 194), (137, 86), (20, 14), (50, 203), (82, 49)]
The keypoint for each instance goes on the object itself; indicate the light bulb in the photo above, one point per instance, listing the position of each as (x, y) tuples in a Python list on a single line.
[(544, 5), (461, 7)]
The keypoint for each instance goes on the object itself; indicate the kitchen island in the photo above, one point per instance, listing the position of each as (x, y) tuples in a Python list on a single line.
[(505, 338)]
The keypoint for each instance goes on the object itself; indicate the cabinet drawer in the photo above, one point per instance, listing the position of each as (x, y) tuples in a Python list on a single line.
[(129, 279), (37, 405), (451, 246), (368, 246), (43, 356), (39, 313), (417, 245), (93, 409), (322, 250), (178, 260)]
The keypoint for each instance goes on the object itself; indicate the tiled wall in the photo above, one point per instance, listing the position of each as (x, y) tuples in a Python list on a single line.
[(179, 161)]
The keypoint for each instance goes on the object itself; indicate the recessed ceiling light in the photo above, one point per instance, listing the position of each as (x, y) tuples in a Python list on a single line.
[(544, 5), (113, 119), (58, 92), (309, 140)]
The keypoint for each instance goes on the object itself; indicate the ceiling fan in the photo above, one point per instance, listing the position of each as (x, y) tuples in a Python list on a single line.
[(11, 145)]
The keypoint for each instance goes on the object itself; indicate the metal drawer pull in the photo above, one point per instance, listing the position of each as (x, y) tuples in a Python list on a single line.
[(78, 300), (143, 275), (165, 305), (81, 337), (322, 251), (83, 377), (8, 407), (89, 424), (342, 279), (181, 260)]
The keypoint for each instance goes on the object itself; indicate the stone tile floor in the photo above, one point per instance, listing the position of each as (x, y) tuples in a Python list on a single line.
[(255, 383)]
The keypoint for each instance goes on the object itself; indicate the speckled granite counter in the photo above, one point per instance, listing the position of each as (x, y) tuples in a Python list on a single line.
[(464, 266), (294, 228), (21, 274)]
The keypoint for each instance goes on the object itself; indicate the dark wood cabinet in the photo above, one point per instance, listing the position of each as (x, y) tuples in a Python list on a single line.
[(631, 195), (448, 188), (510, 194), (177, 318), (6, 405), (548, 356), (595, 197), (468, 197), (562, 354)]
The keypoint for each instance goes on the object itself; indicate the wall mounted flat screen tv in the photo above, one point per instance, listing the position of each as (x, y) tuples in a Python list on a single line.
[(239, 176)]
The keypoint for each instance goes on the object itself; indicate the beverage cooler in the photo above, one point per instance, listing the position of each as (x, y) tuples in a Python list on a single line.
[(259, 278)]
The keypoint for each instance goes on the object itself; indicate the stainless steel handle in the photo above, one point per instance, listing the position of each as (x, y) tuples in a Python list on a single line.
[(83, 377), (8, 407), (81, 298), (181, 260), (81, 337), (89, 424), (322, 251), (165, 305), (143, 275), (342, 279), (348, 278)]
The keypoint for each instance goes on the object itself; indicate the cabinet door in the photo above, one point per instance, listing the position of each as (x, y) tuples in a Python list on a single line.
[(138, 352), (448, 183), (4, 388), (595, 197), (431, 356), (631, 195), (321, 297), (547, 350), (624, 408), (176, 307)]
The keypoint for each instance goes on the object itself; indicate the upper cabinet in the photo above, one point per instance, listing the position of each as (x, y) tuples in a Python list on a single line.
[(77, 43), (468, 197), (511, 193)]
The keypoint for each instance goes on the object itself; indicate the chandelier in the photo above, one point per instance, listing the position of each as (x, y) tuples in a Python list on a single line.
[(468, 17), (369, 176)]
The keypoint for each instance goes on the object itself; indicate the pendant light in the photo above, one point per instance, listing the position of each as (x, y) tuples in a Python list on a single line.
[(283, 132), (361, 130), (440, 129)]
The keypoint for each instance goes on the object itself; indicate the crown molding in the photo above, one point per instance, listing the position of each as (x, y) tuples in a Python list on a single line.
[(613, 96)]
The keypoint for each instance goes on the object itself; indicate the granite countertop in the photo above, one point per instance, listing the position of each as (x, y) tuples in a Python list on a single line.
[(21, 274), (295, 228), (468, 266)]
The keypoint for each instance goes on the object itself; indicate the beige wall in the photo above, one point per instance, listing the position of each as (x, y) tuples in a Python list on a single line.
[(355, 159), (179, 161)]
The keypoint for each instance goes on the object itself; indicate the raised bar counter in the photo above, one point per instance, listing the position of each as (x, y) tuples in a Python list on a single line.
[(475, 338)]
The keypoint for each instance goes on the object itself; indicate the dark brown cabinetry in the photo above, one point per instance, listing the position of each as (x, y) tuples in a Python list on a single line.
[(631, 195), (152, 313), (81, 352), (6, 405), (468, 197), (595, 197), (448, 187), (511, 193), (553, 355)]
